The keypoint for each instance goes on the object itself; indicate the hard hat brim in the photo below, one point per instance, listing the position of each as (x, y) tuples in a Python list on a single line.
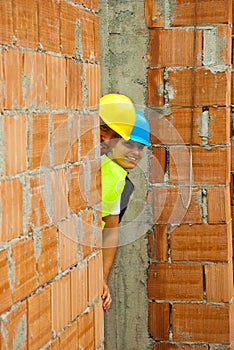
[(140, 140)]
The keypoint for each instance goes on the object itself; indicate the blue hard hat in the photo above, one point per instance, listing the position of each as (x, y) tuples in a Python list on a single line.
[(141, 130)]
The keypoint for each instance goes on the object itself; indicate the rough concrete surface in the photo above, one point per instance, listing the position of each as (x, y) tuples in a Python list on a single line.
[(126, 324), (124, 46)]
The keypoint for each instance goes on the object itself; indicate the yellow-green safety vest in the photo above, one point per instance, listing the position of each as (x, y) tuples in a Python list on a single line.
[(113, 181)]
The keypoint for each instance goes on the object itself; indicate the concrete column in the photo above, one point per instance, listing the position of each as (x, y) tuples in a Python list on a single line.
[(124, 47)]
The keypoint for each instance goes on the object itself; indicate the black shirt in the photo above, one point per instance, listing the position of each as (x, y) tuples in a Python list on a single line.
[(125, 196)]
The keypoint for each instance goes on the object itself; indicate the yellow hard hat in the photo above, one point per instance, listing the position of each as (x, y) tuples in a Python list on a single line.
[(118, 112)]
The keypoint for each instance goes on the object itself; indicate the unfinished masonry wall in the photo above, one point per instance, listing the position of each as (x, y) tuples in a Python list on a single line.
[(188, 99), (190, 284), (50, 248)]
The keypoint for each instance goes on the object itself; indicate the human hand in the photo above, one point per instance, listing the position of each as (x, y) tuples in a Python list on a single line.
[(106, 297)]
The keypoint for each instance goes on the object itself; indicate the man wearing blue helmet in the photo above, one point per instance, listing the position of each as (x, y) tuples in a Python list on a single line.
[(122, 154), (141, 134)]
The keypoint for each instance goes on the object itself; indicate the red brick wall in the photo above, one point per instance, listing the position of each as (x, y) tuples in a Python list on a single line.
[(190, 283), (50, 257)]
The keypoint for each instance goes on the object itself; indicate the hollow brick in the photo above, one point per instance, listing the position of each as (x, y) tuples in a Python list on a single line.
[(39, 156), (95, 277), (76, 192), (11, 194), (175, 282), (98, 233), (86, 132), (219, 282), (232, 323), (232, 215), (201, 323), (47, 261), (94, 192), (98, 324), (184, 13), (175, 128), (153, 15), (5, 290), (39, 319), (74, 139), (61, 139), (158, 243), (15, 136), (69, 19), (231, 191), (2, 97), (6, 23), (79, 290), (219, 125), (25, 19), (159, 320), (13, 67), (24, 267), (49, 30), (219, 210), (151, 244), (87, 238), (208, 166), (165, 47), (86, 330), (201, 243), (208, 89), (89, 30), (232, 86), (181, 89), (155, 87), (170, 205), (92, 74), (158, 164), (67, 243), (56, 82), (61, 303), (232, 155), (212, 89), (225, 36), (64, 139), (34, 79), (74, 84), (59, 194), (38, 212)]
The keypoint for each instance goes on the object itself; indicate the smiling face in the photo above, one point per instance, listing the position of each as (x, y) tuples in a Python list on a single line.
[(126, 153)]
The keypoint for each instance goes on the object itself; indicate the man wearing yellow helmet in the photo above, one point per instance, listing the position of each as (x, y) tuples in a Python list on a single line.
[(118, 112), (120, 152)]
